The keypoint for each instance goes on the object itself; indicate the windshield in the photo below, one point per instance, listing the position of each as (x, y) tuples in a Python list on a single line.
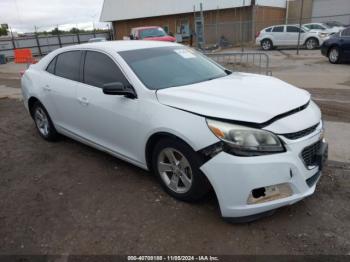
[(165, 67), (152, 32)]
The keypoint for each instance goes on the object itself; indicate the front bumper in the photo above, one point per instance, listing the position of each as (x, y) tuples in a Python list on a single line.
[(234, 178)]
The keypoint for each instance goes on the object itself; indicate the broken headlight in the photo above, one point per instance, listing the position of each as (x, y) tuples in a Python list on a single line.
[(245, 141)]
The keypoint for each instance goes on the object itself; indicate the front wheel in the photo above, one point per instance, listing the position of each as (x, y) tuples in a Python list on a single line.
[(177, 167), (311, 43), (333, 55)]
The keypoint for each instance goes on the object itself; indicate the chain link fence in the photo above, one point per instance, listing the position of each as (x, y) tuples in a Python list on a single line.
[(242, 33)]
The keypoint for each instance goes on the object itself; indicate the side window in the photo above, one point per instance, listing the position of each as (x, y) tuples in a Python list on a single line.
[(68, 65), (292, 29), (307, 26), (278, 29), (268, 29), (99, 69), (51, 67), (346, 32)]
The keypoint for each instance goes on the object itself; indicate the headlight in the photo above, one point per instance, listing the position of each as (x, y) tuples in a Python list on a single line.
[(245, 141), (323, 34)]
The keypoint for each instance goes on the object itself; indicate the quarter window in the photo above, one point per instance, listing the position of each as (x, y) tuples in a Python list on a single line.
[(51, 67), (268, 29), (99, 69), (278, 29), (68, 65)]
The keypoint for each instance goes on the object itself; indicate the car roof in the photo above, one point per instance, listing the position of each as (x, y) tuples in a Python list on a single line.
[(120, 45)]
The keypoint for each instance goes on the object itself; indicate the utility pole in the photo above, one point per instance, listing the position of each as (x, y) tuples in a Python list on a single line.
[(300, 22)]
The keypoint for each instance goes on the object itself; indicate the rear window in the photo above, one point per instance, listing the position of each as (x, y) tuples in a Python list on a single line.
[(152, 32), (68, 65), (268, 29), (278, 29)]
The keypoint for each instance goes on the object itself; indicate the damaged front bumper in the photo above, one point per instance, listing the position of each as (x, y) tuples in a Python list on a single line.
[(250, 187)]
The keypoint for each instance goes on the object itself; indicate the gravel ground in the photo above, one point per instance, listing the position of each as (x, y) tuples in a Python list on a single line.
[(67, 198)]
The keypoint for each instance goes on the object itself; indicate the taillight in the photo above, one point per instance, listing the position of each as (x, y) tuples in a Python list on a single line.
[(257, 34), (21, 73)]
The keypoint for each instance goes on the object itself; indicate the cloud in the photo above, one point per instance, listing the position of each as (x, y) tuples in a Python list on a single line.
[(23, 15)]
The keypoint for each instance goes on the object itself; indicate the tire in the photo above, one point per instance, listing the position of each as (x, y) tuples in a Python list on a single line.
[(43, 122), (176, 166), (311, 43), (334, 55), (266, 44)]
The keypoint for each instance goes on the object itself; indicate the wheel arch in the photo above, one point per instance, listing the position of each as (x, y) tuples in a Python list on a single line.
[(312, 37), (31, 101), (152, 141), (332, 46)]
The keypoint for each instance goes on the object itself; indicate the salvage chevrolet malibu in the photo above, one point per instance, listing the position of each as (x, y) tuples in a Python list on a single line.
[(255, 140)]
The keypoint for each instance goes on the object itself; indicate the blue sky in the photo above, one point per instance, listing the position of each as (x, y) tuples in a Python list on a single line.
[(23, 15)]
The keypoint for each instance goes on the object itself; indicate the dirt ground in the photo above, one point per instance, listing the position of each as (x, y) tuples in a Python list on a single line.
[(67, 198)]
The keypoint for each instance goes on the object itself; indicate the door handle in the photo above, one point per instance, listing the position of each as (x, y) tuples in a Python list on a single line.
[(83, 100), (47, 88)]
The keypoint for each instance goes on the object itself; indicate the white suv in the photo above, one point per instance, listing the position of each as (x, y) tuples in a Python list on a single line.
[(257, 141), (287, 35), (323, 28)]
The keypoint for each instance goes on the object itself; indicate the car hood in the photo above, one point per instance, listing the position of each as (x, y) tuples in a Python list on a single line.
[(239, 96)]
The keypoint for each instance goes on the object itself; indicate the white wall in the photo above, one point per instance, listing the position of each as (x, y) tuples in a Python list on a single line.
[(114, 10)]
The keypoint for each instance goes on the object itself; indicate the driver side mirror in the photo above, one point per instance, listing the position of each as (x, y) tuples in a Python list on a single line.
[(119, 89)]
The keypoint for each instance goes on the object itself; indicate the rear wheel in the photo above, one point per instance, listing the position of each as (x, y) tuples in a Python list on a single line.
[(43, 122), (266, 44), (311, 43), (333, 55), (177, 168)]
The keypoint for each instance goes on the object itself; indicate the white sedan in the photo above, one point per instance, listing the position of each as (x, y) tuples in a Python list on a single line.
[(255, 140)]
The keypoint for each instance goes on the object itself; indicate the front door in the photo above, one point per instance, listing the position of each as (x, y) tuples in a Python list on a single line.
[(109, 121)]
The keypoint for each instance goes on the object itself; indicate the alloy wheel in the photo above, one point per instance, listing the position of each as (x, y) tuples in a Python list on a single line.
[(41, 121), (175, 170), (333, 55), (311, 44), (266, 45)]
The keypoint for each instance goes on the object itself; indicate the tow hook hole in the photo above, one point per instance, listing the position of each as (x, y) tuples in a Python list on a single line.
[(259, 192)]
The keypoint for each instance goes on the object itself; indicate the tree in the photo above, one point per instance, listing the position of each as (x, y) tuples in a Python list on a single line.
[(56, 31), (74, 30), (3, 31)]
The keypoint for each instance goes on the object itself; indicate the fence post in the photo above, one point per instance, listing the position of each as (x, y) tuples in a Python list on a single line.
[(59, 37), (300, 21), (37, 41), (78, 37)]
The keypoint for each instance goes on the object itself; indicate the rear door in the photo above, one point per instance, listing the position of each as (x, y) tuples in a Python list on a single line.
[(279, 35), (60, 89)]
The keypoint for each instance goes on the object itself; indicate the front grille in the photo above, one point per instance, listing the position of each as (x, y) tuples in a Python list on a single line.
[(301, 133), (309, 154)]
